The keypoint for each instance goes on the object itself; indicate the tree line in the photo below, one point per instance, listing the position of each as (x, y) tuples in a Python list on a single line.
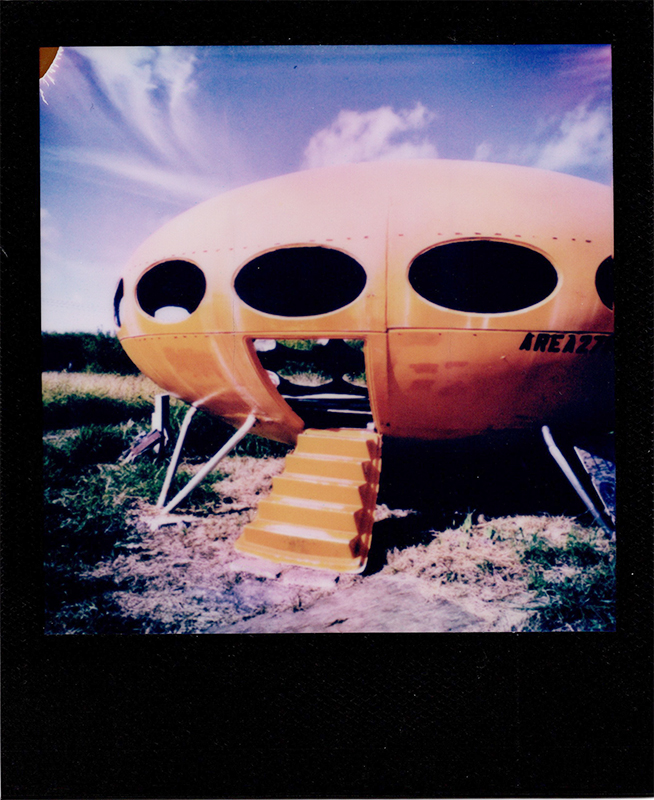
[(85, 352)]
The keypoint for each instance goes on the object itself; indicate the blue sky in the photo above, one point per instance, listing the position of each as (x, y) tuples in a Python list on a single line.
[(133, 136)]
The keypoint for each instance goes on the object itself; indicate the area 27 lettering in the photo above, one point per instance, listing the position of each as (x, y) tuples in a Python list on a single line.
[(575, 343)]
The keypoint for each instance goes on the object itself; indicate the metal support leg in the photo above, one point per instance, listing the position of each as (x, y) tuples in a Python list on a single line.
[(172, 467), (161, 422), (211, 464), (560, 459)]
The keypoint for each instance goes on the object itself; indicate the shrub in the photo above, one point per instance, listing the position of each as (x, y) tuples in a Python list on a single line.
[(85, 352), (78, 410)]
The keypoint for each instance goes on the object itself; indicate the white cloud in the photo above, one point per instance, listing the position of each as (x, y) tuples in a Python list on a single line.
[(381, 134), (578, 143), (49, 230), (149, 88), (583, 139), (76, 294), (590, 66), (483, 151), (146, 178)]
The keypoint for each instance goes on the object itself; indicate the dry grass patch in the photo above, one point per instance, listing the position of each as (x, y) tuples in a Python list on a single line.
[(174, 571), (248, 480), (129, 388), (114, 564), (519, 573), (472, 567), (74, 399)]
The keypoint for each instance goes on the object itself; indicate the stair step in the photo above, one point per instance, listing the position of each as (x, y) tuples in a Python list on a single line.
[(335, 518), (320, 512), (342, 433), (329, 491), (296, 540), (352, 469), (362, 448), (276, 551)]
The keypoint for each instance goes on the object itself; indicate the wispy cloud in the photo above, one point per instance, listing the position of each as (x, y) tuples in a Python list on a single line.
[(589, 66), (146, 178), (582, 139), (148, 88), (578, 140), (381, 134), (138, 120), (49, 231), (483, 152)]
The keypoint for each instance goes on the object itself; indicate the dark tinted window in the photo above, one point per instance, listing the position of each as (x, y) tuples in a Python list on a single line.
[(482, 277), (171, 284), (300, 281), (117, 301), (604, 282)]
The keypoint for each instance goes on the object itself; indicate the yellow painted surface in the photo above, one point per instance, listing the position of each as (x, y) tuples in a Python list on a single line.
[(308, 529), (432, 372), (219, 373), (453, 383), (273, 545), (335, 517), (319, 443), (304, 488), (565, 219)]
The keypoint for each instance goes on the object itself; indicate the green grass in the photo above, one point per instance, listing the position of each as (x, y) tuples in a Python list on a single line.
[(310, 344), (299, 365), (574, 584), (91, 495), (561, 573), (73, 400), (206, 434)]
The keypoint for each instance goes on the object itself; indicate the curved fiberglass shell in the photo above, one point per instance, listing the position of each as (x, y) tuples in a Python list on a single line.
[(482, 292)]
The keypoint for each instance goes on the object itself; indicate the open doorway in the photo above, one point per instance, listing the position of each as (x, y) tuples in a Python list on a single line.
[(322, 380)]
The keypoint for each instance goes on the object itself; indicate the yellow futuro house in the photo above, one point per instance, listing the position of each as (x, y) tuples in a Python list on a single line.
[(482, 293)]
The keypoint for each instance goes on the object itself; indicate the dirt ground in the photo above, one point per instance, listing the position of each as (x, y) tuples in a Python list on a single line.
[(181, 573)]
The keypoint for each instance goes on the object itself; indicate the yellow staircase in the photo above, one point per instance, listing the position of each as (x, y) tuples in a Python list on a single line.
[(320, 511)]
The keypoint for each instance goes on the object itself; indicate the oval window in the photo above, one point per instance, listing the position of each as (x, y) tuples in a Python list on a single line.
[(604, 282), (171, 291), (118, 298), (483, 277), (300, 281)]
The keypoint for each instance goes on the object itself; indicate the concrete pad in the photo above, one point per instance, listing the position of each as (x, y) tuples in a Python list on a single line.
[(311, 578), (254, 566), (378, 605)]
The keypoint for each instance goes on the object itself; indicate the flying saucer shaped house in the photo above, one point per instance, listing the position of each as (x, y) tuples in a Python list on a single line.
[(478, 297)]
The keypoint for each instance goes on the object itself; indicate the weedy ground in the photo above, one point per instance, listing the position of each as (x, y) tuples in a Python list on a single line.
[(114, 564), (563, 572)]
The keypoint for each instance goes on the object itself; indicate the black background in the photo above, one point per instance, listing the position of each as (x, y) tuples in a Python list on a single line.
[(384, 715)]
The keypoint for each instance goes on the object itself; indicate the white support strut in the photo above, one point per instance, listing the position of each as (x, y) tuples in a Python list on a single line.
[(211, 464), (172, 467), (560, 459)]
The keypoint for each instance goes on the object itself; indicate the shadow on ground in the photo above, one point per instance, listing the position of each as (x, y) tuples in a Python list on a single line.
[(443, 482)]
